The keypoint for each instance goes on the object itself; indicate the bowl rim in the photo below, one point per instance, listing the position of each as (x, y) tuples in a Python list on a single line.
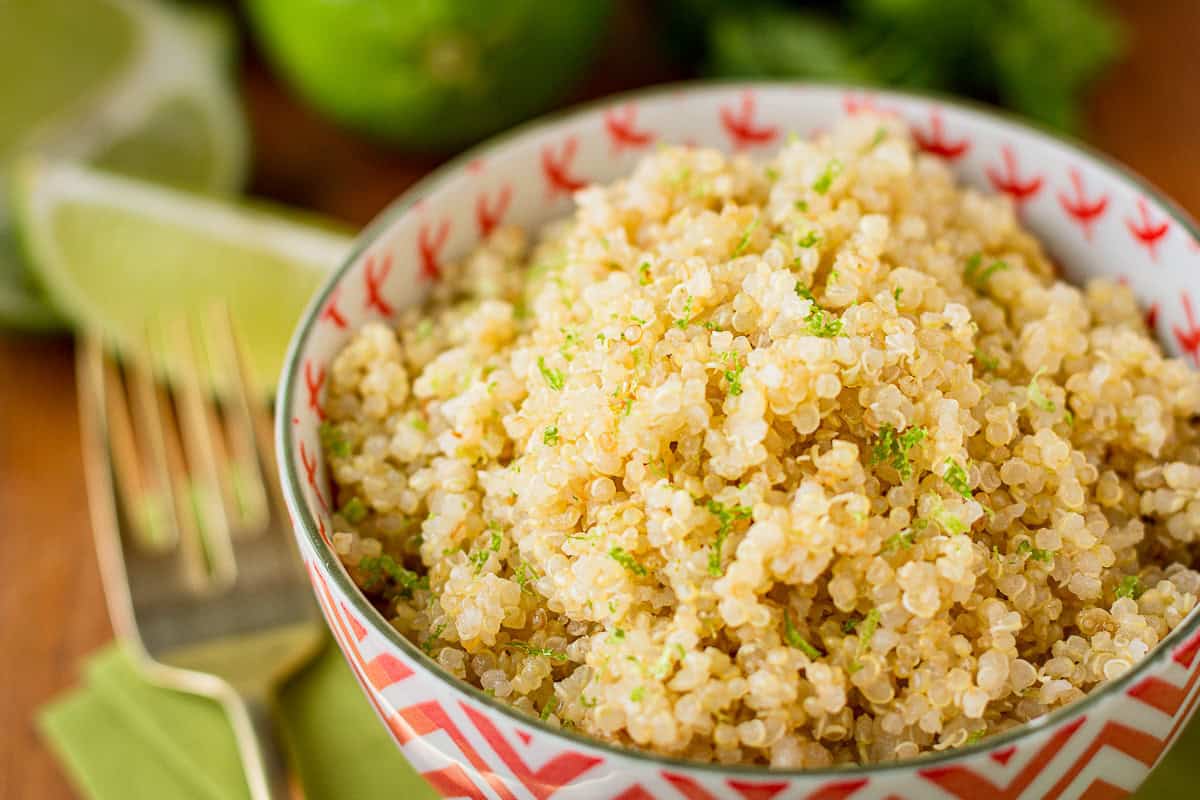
[(294, 487)]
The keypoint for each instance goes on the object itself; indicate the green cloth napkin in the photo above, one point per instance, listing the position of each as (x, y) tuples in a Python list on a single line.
[(123, 739)]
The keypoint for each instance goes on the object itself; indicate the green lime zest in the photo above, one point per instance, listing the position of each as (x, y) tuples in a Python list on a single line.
[(744, 242), (332, 440), (987, 362), (524, 575), (383, 573), (825, 180), (1130, 586), (956, 476), (819, 321), (977, 277), (549, 708), (530, 650), (354, 511), (1036, 396), (683, 322), (794, 639), (553, 377), (866, 632), (893, 448), (726, 516), (1026, 547), (733, 375), (627, 561), (427, 642), (644, 273)]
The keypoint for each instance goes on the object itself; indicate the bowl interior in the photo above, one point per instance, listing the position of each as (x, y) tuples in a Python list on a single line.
[(1093, 217)]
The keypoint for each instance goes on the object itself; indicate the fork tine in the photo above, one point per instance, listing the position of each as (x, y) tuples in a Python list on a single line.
[(246, 479), (204, 484), (222, 437), (152, 526), (257, 413), (193, 564), (141, 403)]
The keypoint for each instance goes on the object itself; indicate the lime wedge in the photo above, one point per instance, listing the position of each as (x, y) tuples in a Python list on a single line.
[(117, 255), (147, 95)]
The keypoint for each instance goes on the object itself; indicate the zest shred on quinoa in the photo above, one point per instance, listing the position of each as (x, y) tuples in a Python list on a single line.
[(805, 465)]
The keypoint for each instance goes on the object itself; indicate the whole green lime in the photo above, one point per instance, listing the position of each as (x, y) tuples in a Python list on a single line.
[(432, 74)]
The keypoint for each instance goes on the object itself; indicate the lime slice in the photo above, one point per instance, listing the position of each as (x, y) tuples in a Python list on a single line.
[(117, 255), (147, 96), (166, 113)]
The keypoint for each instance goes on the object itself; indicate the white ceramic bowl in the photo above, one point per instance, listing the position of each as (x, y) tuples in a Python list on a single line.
[(1094, 218)]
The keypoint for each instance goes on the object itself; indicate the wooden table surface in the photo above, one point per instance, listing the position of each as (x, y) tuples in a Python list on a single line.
[(1146, 113)]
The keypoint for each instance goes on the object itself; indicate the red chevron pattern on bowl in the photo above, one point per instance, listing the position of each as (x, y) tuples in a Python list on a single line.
[(1094, 218)]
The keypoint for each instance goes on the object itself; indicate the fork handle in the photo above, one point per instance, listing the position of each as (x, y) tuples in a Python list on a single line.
[(259, 745)]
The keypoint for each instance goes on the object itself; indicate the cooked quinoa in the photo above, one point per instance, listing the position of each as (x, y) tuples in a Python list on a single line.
[(798, 463)]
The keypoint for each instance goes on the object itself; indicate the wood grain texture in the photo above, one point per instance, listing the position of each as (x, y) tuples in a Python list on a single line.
[(1145, 113)]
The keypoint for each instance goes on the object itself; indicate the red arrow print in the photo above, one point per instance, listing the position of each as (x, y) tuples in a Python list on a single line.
[(751, 790), (550, 777), (321, 530), (475, 166), (313, 384), (1130, 741), (1148, 232), (687, 787), (1003, 755), (1010, 182), (1162, 694), (488, 216), (428, 249), (839, 790), (620, 123), (966, 784), (1186, 653), (409, 723), (453, 781), (863, 103), (757, 791), (385, 669), (935, 141), (741, 127), (374, 275), (1084, 211), (1189, 337), (331, 312), (310, 473), (360, 632), (556, 169)]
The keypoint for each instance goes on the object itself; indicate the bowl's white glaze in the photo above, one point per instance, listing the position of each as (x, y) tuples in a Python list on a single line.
[(1093, 217)]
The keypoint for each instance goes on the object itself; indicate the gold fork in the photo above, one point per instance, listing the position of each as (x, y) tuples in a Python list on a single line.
[(204, 584)]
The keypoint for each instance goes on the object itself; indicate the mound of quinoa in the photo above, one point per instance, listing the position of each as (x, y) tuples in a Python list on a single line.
[(794, 463)]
